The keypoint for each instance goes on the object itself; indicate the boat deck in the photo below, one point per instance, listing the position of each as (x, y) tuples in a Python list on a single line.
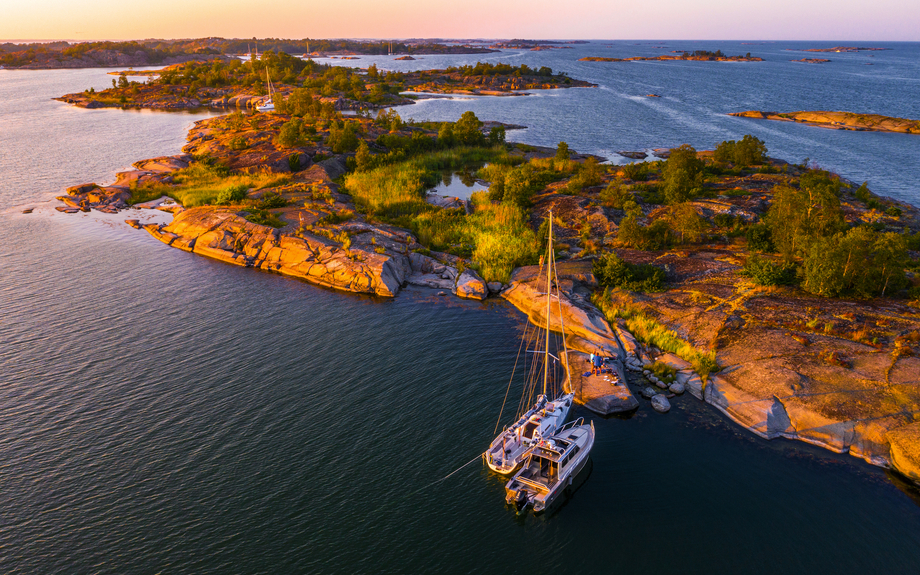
[(603, 394)]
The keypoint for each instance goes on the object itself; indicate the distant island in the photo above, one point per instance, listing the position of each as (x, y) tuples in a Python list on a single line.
[(838, 49), (535, 45), (839, 120), (36, 56), (696, 56), (812, 60)]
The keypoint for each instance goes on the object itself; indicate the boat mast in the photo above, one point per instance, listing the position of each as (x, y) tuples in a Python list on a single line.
[(549, 275)]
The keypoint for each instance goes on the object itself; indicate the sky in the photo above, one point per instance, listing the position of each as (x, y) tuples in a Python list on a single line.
[(853, 20)]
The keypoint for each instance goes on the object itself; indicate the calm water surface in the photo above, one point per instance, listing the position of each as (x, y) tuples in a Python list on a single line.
[(161, 412)]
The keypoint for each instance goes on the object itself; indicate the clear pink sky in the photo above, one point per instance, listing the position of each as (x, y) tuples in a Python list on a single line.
[(880, 20)]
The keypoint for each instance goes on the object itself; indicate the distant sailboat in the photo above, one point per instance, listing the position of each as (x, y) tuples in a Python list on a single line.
[(268, 105)]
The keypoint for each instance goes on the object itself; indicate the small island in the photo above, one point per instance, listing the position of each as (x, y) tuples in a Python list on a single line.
[(839, 120), (236, 84), (812, 60), (695, 56)]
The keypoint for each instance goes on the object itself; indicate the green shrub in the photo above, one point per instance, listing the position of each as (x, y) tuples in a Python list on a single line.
[(657, 235), (759, 238), (237, 143), (294, 162), (766, 273), (232, 195), (291, 134), (862, 193), (265, 218), (637, 171), (615, 195), (271, 200), (893, 211), (342, 138), (612, 271)]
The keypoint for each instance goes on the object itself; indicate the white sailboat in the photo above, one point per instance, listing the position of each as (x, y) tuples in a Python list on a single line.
[(507, 452), (268, 105)]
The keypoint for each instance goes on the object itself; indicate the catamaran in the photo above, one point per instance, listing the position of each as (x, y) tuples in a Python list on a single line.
[(507, 452)]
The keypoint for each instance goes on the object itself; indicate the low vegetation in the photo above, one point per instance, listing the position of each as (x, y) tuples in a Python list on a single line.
[(615, 304)]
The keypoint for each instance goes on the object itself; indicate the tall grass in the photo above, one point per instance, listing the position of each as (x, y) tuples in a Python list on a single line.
[(649, 331), (201, 183), (496, 237)]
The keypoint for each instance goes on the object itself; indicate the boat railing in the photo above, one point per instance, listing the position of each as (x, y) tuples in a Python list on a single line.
[(571, 424)]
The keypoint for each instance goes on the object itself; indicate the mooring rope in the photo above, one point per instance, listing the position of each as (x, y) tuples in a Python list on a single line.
[(405, 496)]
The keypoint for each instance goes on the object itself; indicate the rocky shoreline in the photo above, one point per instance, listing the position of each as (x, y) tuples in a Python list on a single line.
[(839, 120)]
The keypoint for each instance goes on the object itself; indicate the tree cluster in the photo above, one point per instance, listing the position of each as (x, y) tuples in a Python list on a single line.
[(750, 151)]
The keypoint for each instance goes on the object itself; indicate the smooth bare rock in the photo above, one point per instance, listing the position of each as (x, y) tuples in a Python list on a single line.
[(134, 224), (674, 361), (470, 285), (430, 280), (661, 404), (695, 386), (446, 202), (648, 392), (677, 388), (585, 325), (494, 287), (604, 395), (81, 189), (222, 234), (164, 163), (905, 450)]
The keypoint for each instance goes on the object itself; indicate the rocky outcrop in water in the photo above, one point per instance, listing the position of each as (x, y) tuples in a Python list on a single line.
[(839, 120)]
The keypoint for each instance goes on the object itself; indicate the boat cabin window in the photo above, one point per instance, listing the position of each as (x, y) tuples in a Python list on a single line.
[(529, 428)]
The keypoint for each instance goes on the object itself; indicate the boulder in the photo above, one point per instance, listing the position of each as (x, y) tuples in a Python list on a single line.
[(661, 404), (648, 392), (610, 404), (470, 285), (676, 388)]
